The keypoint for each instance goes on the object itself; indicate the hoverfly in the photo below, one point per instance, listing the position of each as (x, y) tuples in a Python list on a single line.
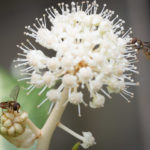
[(140, 45), (12, 104)]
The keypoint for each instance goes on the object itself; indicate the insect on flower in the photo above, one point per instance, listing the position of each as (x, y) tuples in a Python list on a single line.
[(12, 104), (140, 45)]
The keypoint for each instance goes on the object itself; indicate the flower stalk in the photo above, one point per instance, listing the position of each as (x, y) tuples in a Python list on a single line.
[(87, 138), (51, 124), (60, 125)]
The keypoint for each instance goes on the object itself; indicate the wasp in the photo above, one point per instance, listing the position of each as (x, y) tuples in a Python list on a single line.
[(12, 104), (140, 45)]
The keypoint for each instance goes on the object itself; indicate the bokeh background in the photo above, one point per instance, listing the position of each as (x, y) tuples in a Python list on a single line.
[(117, 126)]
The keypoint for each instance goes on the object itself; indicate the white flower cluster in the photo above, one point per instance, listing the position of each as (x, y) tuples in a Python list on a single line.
[(91, 51)]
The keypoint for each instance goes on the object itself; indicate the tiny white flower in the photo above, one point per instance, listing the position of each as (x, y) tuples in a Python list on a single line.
[(53, 64), (76, 98), (85, 74), (99, 59), (45, 38), (36, 80), (67, 62), (98, 101), (69, 81), (115, 86), (88, 141), (53, 95), (49, 79), (96, 84), (33, 57), (36, 58)]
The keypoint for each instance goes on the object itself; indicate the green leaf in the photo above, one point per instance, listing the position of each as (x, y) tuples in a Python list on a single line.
[(28, 104), (76, 146)]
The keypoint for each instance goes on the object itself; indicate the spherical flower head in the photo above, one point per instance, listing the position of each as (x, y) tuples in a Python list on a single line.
[(92, 51)]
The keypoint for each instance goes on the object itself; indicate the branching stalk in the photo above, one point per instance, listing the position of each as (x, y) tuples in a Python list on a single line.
[(51, 123), (60, 125)]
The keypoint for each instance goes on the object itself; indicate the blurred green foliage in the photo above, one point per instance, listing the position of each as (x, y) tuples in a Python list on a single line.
[(76, 146), (28, 103)]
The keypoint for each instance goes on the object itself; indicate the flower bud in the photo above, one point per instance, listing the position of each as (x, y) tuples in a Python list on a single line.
[(11, 131), (76, 98), (7, 123), (49, 79), (98, 101), (53, 95), (69, 81), (53, 64), (85, 74), (3, 130), (3, 118)]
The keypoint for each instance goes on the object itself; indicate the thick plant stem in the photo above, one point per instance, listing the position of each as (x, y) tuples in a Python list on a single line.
[(33, 127), (51, 123)]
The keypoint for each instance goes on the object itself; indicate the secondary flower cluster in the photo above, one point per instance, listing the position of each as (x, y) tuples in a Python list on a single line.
[(13, 124), (92, 51), (18, 129)]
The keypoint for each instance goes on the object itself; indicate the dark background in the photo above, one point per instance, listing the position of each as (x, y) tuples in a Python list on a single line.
[(117, 126)]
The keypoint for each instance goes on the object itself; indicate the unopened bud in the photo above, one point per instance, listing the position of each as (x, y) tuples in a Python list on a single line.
[(11, 131), (7, 123), (18, 128), (3, 130)]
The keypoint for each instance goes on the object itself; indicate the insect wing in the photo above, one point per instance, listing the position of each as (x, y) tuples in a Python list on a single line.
[(5, 99), (147, 44), (14, 93), (4, 105)]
